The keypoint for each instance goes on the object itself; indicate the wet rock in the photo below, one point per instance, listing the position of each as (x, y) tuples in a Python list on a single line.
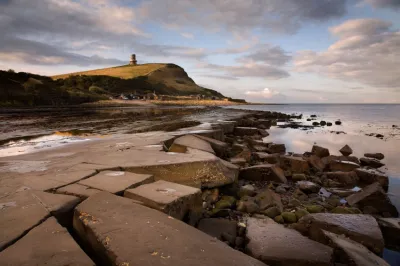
[(299, 177), (47, 244), (219, 147), (346, 150), (300, 195), (215, 227), (370, 176), (319, 151), (391, 232), (287, 247), (247, 205), (316, 163), (267, 158), (116, 181), (345, 210), (329, 124), (353, 159), (313, 116), (308, 187), (358, 227), (108, 223), (246, 131), (315, 208), (210, 196), (315, 123), (300, 213), (374, 163), (378, 155), (276, 148), (280, 190), (263, 172), (247, 190), (338, 123), (238, 161), (344, 178), (343, 166), (227, 127), (296, 165), (226, 202), (289, 217), (323, 123), (279, 219), (350, 252), (267, 199), (373, 195), (294, 203), (174, 199), (78, 190), (263, 133), (272, 212)]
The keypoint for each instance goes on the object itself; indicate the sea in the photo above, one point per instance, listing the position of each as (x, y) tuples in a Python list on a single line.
[(359, 121)]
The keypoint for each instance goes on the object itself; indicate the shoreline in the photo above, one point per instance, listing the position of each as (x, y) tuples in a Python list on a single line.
[(240, 179)]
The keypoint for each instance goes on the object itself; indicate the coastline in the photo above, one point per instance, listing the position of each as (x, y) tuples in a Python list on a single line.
[(153, 152)]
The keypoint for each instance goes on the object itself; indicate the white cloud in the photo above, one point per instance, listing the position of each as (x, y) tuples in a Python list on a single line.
[(265, 93), (187, 35)]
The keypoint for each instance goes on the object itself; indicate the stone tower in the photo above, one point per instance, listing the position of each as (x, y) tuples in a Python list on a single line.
[(133, 60)]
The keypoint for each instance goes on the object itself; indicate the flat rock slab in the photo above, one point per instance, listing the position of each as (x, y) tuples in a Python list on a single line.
[(274, 244), (263, 172), (374, 196), (22, 211), (296, 165), (218, 146), (116, 182), (391, 232), (353, 253), (194, 142), (358, 227), (370, 176), (343, 166), (124, 233), (173, 199), (47, 244), (78, 190)]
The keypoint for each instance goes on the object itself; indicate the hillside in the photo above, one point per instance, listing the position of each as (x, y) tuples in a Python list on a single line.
[(25, 89)]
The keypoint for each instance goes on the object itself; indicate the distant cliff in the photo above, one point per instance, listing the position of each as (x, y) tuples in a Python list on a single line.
[(25, 89)]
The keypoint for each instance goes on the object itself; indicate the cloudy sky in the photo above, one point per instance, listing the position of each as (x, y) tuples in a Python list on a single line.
[(291, 51)]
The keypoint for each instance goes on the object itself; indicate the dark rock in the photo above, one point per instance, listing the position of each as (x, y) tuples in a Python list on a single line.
[(316, 163), (343, 166), (323, 123), (374, 163), (346, 150), (272, 212), (314, 208), (267, 158), (248, 206), (338, 123), (353, 159), (239, 241), (263, 172), (280, 190), (313, 116), (216, 227), (289, 217), (296, 165), (370, 176), (300, 195), (373, 195), (329, 124), (300, 213), (308, 187), (358, 227), (276, 148), (246, 131), (320, 151), (267, 198), (229, 238), (315, 123), (391, 232), (247, 190), (345, 210), (238, 161), (378, 156), (344, 178), (226, 202), (299, 177)]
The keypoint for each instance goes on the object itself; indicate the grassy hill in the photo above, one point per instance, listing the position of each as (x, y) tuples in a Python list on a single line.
[(25, 89)]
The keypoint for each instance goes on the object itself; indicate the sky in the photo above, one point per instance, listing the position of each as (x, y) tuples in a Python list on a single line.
[(272, 51)]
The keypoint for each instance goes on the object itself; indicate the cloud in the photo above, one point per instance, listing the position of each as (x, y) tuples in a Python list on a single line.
[(187, 35), (221, 77), (367, 51), (265, 93), (384, 3), (272, 55)]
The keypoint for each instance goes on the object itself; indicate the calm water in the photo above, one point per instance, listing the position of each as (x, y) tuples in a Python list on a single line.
[(357, 121)]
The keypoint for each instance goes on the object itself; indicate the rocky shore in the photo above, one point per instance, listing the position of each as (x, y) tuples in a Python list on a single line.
[(222, 195)]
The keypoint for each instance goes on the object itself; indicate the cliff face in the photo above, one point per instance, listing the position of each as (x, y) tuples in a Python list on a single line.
[(25, 89)]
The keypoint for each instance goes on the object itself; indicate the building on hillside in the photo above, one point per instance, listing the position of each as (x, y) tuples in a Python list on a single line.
[(133, 60)]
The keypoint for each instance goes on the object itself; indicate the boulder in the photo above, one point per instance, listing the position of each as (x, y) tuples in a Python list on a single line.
[(370, 176), (299, 177), (289, 217), (272, 212), (338, 122), (343, 166), (173, 199), (263, 172), (265, 122), (46, 244), (124, 233), (226, 202), (238, 161), (378, 155), (371, 162), (319, 151), (267, 158), (316, 163), (373, 195), (78, 190), (391, 232), (345, 210), (358, 227), (274, 244), (276, 148), (194, 142), (349, 252), (116, 182), (314, 208), (353, 159), (247, 204), (296, 165), (246, 131), (346, 150), (227, 127), (218, 146), (247, 190), (267, 199), (215, 227), (344, 178), (308, 187)]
